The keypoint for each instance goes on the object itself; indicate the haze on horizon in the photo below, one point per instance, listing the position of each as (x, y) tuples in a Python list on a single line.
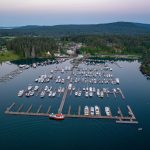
[(54, 12)]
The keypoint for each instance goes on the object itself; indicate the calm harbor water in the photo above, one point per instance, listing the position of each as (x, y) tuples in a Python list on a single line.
[(24, 132)]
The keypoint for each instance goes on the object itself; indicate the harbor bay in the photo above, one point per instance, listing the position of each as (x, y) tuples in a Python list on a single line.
[(68, 87)]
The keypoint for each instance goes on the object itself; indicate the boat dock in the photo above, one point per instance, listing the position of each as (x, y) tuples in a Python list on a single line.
[(119, 119), (122, 95), (63, 101), (117, 65), (19, 109)]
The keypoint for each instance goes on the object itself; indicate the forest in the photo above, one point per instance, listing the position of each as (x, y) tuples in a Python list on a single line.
[(112, 44), (31, 47)]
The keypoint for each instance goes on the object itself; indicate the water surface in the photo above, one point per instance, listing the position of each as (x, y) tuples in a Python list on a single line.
[(24, 132)]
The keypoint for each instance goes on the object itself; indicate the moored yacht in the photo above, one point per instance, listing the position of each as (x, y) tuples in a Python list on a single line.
[(42, 94), (86, 110), (20, 93), (86, 94), (117, 80), (97, 112), (107, 110), (30, 87), (92, 111), (36, 88), (101, 94)]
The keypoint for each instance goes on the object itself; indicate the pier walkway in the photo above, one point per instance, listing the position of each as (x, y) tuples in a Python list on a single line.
[(119, 119)]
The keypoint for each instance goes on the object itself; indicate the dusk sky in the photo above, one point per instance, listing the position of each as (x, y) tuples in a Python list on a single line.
[(53, 12)]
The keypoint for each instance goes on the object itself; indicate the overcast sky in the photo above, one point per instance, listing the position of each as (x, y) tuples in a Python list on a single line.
[(53, 12)]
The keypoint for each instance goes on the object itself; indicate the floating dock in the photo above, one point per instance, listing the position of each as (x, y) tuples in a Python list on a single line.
[(119, 119)]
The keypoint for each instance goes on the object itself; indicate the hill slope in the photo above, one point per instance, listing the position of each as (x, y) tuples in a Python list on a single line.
[(65, 30)]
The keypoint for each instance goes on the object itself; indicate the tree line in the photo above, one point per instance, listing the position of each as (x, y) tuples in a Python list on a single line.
[(112, 44), (30, 47)]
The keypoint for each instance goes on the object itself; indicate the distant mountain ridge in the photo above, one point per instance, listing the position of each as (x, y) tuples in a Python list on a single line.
[(128, 28)]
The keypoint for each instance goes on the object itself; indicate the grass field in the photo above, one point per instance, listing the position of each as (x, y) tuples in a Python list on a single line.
[(8, 56)]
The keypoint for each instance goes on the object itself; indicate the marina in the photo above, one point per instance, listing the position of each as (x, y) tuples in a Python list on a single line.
[(80, 79)]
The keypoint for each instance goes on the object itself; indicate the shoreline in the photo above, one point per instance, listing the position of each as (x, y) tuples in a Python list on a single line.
[(133, 57), (14, 57), (145, 69)]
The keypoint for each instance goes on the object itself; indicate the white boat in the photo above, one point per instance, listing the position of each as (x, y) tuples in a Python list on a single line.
[(107, 110), (47, 80), (117, 80), (52, 71), (31, 93), (90, 89), (76, 93), (90, 94), (69, 86), (73, 88), (63, 89), (118, 89), (114, 90), (36, 88), (104, 90), (34, 65), (62, 71), (68, 77), (46, 88), (62, 81), (79, 93), (30, 87), (98, 92), (86, 110), (86, 94), (27, 66), (36, 80), (59, 89), (22, 66), (50, 93), (97, 112), (94, 90), (27, 94), (20, 93), (101, 94), (42, 94), (54, 94), (92, 111)]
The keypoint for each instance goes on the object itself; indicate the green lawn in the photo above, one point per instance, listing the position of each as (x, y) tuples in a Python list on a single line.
[(8, 56)]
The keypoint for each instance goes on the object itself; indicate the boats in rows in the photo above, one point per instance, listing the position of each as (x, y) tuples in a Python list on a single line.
[(29, 93)]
